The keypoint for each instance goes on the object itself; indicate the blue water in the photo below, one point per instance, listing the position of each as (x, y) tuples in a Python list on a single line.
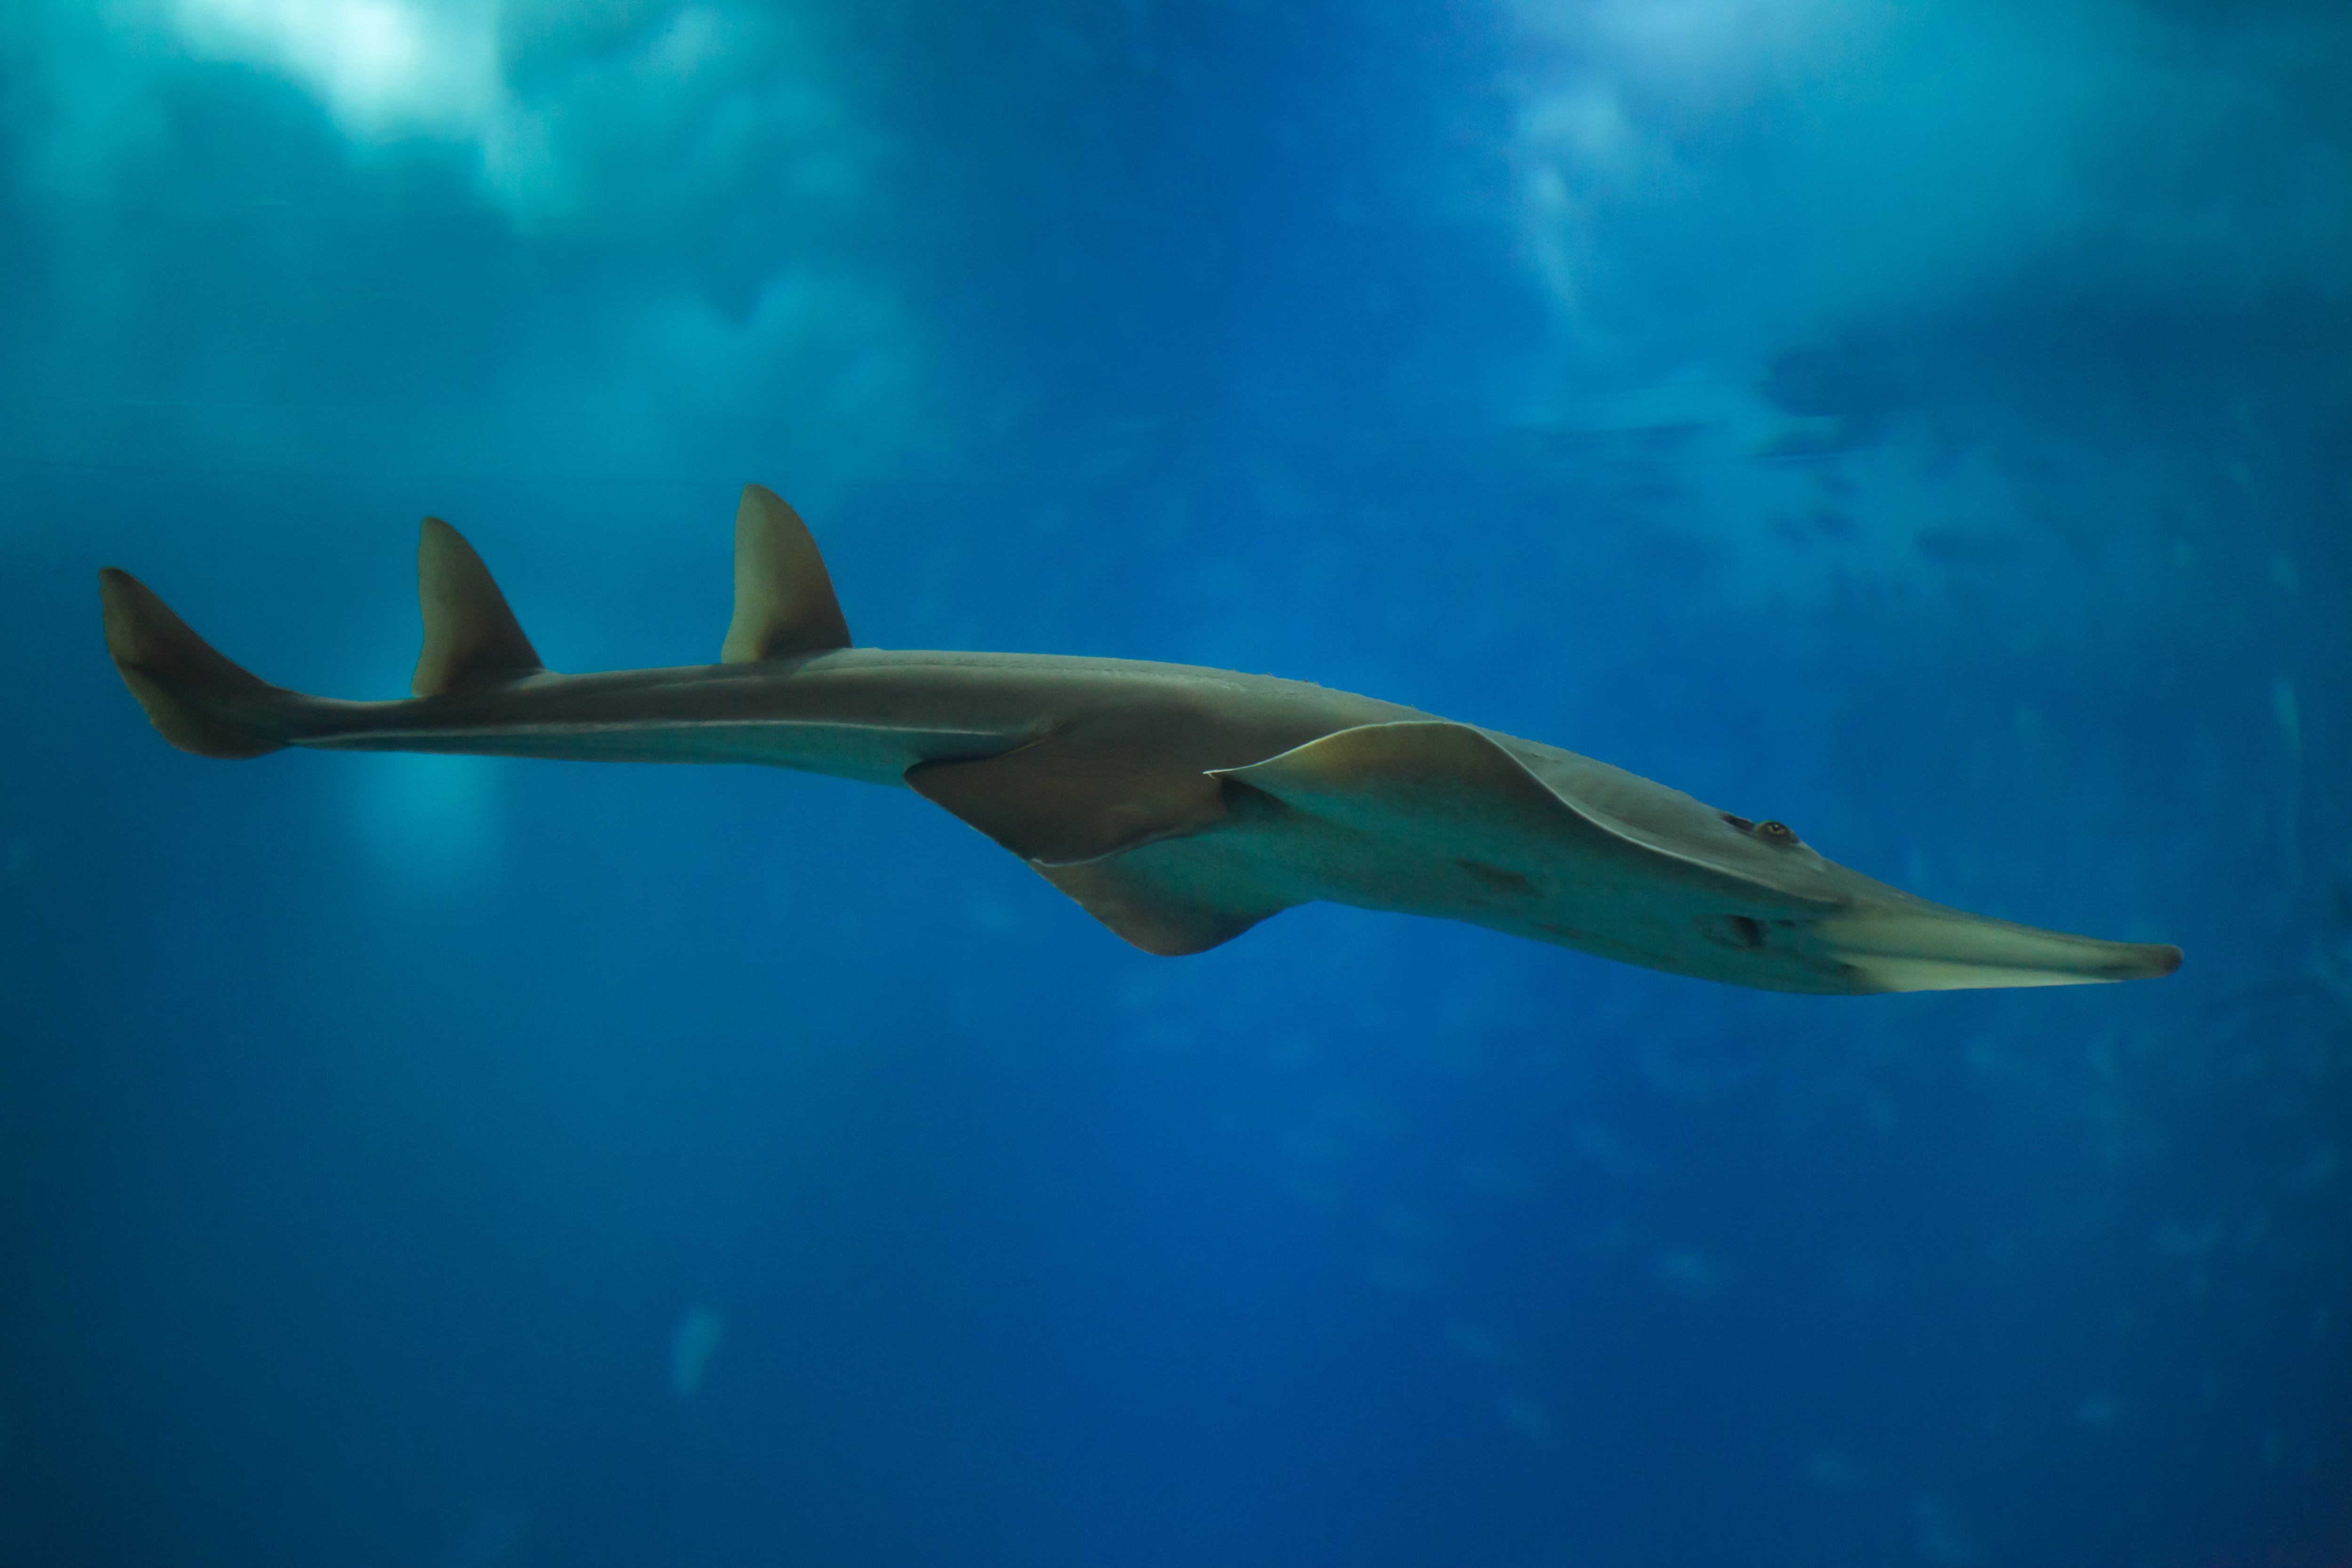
[(1926, 425)]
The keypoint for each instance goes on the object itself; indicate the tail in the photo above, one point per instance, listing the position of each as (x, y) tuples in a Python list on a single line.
[(204, 704), (201, 701), (784, 607)]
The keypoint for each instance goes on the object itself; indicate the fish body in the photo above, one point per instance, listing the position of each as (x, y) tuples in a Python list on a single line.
[(1177, 805)]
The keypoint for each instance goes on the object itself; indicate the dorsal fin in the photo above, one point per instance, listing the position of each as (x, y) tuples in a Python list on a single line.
[(471, 638), (784, 596)]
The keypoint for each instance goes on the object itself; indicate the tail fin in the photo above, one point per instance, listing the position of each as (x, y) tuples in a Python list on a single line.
[(201, 701)]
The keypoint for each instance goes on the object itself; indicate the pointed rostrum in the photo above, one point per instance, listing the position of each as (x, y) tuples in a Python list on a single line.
[(784, 596), (471, 638)]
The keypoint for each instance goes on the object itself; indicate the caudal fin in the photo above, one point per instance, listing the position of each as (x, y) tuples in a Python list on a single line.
[(201, 701)]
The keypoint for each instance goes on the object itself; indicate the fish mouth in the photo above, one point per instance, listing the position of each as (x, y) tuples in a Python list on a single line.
[(1919, 946)]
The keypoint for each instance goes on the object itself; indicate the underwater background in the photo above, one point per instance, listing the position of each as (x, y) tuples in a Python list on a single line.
[(1929, 424)]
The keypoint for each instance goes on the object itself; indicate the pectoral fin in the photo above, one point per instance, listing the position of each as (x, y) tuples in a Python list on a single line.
[(1443, 784), (1058, 803), (1171, 898), (1117, 835)]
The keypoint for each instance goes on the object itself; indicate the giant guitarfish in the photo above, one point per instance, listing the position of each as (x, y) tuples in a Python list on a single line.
[(1177, 805)]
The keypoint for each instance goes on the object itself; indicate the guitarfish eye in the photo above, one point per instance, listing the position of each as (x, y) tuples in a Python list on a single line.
[(1778, 831)]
